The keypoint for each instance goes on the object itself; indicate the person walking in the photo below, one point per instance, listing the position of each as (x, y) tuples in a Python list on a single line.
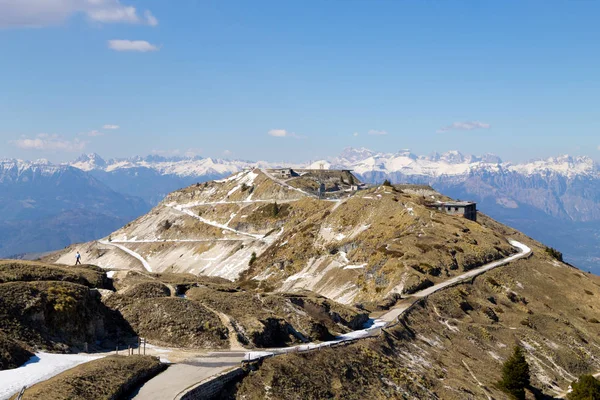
[(78, 259)]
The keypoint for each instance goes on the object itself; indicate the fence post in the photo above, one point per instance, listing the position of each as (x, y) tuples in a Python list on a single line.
[(144, 346), (85, 347), (117, 350), (21, 393), (139, 345)]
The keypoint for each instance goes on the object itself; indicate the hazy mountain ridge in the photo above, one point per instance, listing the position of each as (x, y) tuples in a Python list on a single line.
[(45, 206)]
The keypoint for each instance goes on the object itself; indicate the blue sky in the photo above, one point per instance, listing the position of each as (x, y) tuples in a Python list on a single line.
[(516, 78)]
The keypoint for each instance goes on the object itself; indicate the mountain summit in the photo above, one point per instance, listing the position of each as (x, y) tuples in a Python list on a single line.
[(302, 229)]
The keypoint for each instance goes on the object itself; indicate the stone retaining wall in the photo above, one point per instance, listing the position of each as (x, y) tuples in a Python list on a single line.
[(210, 389)]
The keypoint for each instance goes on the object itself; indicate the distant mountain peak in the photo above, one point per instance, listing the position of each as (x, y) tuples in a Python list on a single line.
[(352, 155), (88, 162)]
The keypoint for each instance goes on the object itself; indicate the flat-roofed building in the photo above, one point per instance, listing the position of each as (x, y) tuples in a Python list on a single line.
[(464, 209)]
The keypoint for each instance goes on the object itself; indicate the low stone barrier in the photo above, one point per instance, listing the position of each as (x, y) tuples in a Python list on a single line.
[(212, 387)]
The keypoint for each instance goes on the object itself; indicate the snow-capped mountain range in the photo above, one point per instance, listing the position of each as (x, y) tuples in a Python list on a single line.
[(555, 200), (362, 161)]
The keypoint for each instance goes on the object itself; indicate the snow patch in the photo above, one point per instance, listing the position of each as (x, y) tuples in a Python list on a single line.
[(40, 367), (359, 266)]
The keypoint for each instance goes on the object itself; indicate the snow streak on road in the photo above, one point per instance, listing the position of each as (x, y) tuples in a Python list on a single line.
[(185, 210), (130, 252)]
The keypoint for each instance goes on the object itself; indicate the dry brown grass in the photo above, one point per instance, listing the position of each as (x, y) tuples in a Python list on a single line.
[(57, 315), (171, 321), (276, 319), (12, 353), (26, 271), (537, 303)]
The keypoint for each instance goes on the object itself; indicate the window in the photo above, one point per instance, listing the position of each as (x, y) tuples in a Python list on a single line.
[(455, 208)]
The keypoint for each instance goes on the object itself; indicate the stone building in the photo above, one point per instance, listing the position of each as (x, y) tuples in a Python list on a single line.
[(284, 173), (464, 209)]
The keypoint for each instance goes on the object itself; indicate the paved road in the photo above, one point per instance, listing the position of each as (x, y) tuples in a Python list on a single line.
[(178, 377), (404, 305)]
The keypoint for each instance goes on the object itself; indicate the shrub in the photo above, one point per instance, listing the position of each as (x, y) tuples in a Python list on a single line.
[(62, 298), (586, 387), (387, 183), (515, 375), (593, 321), (491, 314), (493, 282), (252, 259), (552, 252), (275, 209), (167, 225)]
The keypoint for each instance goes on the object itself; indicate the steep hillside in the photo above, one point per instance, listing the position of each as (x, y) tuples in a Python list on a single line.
[(350, 246), (183, 310), (452, 344), (51, 308)]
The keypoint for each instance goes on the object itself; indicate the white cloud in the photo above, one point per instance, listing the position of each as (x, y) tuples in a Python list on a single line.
[(114, 14), (40, 13), (150, 19), (284, 133), (464, 126), (110, 127), (278, 132), (374, 132), (227, 152), (355, 134), (95, 133), (131, 45), (44, 141)]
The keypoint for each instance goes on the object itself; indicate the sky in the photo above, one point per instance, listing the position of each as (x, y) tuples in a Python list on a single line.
[(298, 80)]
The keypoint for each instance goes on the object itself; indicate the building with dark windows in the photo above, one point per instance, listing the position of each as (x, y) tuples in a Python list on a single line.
[(464, 209)]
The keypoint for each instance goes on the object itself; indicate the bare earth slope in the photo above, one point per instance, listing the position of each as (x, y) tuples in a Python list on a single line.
[(351, 246)]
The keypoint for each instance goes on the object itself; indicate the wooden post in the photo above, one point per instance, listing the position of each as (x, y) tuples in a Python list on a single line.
[(85, 347), (129, 350), (139, 345), (144, 346), (117, 350)]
